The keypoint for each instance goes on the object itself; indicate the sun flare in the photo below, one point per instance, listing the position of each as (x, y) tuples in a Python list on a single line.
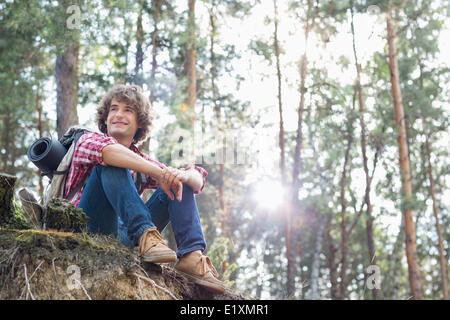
[(268, 194)]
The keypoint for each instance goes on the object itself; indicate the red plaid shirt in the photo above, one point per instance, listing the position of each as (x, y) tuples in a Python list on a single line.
[(88, 154)]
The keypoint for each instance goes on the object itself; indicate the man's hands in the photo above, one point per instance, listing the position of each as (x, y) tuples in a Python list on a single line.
[(173, 178), (120, 156)]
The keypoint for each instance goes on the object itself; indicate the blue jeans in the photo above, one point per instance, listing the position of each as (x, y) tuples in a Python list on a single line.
[(112, 203)]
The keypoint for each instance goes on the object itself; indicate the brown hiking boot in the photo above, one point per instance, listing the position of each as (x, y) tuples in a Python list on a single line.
[(198, 268), (152, 248)]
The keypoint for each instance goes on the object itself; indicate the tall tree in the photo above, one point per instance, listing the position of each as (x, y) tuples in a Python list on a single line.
[(190, 63), (156, 9), (139, 56), (220, 122), (276, 46), (406, 192), (442, 259), (418, 47), (66, 68), (24, 69), (367, 201), (343, 185), (291, 251), (67, 87)]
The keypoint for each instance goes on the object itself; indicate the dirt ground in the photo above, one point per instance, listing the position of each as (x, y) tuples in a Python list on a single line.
[(37, 264)]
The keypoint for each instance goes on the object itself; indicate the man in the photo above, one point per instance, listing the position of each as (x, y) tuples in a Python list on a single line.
[(111, 162)]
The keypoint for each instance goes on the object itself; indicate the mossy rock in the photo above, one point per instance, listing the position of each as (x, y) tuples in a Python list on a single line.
[(10, 212), (7, 183), (17, 219), (62, 215)]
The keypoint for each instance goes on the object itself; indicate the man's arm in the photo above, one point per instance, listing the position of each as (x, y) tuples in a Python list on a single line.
[(119, 156)]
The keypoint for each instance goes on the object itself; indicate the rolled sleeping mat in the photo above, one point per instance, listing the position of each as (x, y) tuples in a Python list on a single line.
[(46, 154)]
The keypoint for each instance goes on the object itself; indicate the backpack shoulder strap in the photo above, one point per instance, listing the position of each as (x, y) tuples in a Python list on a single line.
[(77, 188)]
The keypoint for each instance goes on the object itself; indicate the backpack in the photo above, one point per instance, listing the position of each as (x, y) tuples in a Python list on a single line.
[(57, 185), (62, 160), (47, 160)]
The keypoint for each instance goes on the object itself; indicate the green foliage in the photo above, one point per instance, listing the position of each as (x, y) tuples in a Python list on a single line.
[(218, 252), (263, 49)]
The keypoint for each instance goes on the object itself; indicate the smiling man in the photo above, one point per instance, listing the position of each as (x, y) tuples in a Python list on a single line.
[(116, 174)]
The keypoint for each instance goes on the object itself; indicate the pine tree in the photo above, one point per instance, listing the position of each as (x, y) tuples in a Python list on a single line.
[(406, 192)]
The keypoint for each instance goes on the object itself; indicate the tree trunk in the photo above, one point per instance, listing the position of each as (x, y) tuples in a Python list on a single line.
[(189, 64), (287, 207), (139, 60), (394, 259), (40, 190), (410, 230), (280, 105), (139, 42), (290, 239), (343, 216), (7, 183), (67, 88), (322, 223), (6, 142), (315, 268), (156, 15), (217, 109), (334, 290), (442, 260), (302, 275), (369, 221), (156, 9)]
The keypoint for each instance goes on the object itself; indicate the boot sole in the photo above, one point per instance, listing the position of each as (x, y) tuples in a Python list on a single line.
[(160, 259), (210, 286)]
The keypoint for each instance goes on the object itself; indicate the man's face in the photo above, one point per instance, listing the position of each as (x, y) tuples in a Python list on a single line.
[(122, 120)]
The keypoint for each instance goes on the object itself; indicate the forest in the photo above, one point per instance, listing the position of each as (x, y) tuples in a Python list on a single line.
[(323, 125)]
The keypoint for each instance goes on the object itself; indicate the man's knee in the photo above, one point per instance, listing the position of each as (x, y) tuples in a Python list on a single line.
[(187, 189), (113, 175), (111, 170)]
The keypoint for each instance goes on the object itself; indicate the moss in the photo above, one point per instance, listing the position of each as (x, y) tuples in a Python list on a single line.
[(7, 183), (11, 215), (88, 249), (17, 220), (62, 215)]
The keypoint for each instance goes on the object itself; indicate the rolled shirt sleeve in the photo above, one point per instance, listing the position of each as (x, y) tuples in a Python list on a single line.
[(87, 154), (89, 149), (203, 173)]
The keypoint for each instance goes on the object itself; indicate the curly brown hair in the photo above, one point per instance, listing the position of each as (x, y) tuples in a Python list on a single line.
[(132, 95)]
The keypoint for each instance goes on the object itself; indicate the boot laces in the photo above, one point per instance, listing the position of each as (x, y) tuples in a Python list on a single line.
[(208, 266), (150, 236)]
